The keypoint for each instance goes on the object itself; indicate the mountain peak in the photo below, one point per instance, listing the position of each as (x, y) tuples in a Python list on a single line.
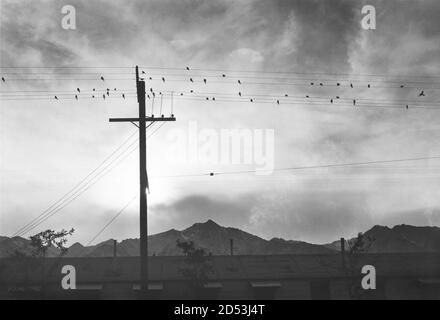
[(379, 228), (210, 222)]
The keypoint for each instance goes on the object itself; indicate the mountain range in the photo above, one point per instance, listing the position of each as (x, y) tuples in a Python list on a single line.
[(215, 239)]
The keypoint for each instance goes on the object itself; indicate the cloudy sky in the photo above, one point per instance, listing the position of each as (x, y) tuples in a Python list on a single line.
[(48, 145)]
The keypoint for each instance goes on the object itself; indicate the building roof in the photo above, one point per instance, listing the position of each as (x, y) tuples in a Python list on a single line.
[(270, 267)]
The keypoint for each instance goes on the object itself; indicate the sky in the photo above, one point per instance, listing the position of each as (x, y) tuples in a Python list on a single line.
[(47, 146)]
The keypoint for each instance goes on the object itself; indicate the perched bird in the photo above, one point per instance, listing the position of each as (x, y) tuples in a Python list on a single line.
[(191, 79), (187, 68), (154, 95), (102, 78), (321, 84), (108, 89), (211, 174), (402, 86), (151, 78), (252, 100), (204, 80), (331, 100), (351, 85), (114, 89), (76, 97), (354, 102), (312, 84), (143, 72), (108, 93), (286, 95), (103, 96), (239, 82), (94, 89), (56, 98), (278, 101), (181, 94), (407, 107), (239, 94), (93, 97), (338, 84), (422, 94), (3, 79), (223, 75), (307, 97), (192, 91), (369, 86), (207, 98), (123, 96), (337, 97), (77, 89), (213, 98), (163, 79), (148, 96)]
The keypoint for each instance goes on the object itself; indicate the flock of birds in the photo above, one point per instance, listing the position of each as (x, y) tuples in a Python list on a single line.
[(152, 93), (107, 93)]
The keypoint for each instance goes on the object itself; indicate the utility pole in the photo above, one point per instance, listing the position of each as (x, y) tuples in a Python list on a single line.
[(143, 216)]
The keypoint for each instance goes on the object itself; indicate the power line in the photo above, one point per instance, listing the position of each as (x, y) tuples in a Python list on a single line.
[(350, 164), (222, 70), (274, 83), (344, 102), (78, 184), (111, 221), (288, 72), (80, 187), (79, 192), (239, 77), (281, 97)]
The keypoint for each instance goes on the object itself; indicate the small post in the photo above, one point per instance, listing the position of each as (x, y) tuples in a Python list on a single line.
[(115, 246), (231, 241)]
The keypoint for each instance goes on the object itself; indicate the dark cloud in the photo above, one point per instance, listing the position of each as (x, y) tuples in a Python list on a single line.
[(306, 216), (198, 208), (310, 216)]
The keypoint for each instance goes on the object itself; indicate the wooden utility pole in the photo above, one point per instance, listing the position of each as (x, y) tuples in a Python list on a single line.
[(143, 218)]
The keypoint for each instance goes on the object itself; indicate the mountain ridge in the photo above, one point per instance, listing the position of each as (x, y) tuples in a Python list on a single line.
[(215, 239)]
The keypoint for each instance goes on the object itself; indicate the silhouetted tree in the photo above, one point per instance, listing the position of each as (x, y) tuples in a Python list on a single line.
[(354, 261), (44, 240), (24, 263), (197, 261)]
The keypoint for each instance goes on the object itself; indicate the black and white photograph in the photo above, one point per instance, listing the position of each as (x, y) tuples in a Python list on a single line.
[(226, 152)]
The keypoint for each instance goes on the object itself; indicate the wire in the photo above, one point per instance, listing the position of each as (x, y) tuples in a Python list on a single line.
[(111, 221), (288, 72), (299, 168), (75, 196), (123, 209), (79, 188), (78, 184), (226, 81), (239, 77), (222, 70), (65, 202)]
